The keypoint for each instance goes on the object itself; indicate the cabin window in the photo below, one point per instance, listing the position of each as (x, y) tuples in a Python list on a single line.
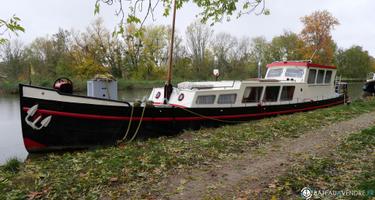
[(328, 77), (312, 75), (287, 93), (252, 94), (206, 99), (294, 72), (320, 77), (274, 73), (271, 94), (227, 99)]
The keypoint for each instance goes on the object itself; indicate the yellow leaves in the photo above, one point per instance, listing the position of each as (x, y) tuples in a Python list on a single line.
[(317, 36), (86, 67)]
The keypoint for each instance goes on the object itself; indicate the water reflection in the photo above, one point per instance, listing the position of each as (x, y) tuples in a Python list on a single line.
[(11, 143)]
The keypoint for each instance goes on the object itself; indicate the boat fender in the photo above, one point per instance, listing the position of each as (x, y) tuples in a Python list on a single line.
[(158, 94)]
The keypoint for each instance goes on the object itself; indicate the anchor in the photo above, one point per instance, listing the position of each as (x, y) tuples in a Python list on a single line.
[(44, 123)]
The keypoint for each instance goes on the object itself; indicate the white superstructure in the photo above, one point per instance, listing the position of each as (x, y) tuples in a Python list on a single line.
[(284, 83)]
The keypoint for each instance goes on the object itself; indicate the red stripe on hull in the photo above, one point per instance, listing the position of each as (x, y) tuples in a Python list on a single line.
[(120, 118), (31, 144)]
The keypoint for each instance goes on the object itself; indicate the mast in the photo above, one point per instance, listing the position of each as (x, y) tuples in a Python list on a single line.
[(168, 88)]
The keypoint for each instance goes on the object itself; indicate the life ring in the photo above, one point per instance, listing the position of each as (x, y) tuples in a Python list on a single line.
[(181, 97), (157, 96)]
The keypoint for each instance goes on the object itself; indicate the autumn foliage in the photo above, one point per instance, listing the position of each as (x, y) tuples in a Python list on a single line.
[(317, 36)]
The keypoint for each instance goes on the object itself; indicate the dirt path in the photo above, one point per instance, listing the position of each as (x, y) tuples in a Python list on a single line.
[(257, 169)]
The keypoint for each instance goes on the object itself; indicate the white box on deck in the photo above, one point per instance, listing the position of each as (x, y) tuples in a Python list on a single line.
[(105, 89)]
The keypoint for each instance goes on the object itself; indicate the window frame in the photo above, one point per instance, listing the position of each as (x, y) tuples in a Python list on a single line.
[(281, 93), (315, 75), (300, 69), (280, 75), (322, 78), (257, 100), (213, 102), (220, 95), (265, 93), (330, 77)]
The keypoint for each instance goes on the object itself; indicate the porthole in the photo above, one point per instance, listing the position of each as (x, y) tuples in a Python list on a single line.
[(157, 96), (181, 97)]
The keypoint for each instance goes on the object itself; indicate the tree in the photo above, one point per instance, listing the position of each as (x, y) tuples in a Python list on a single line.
[(289, 45), (260, 52), (223, 49), (13, 61), (11, 25), (354, 62), (317, 36), (198, 37), (214, 10), (241, 62)]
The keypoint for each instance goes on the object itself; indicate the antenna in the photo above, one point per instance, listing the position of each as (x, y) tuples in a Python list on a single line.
[(313, 55)]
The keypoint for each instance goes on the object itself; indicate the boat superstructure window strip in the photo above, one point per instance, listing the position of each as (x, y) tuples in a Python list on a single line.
[(319, 76)]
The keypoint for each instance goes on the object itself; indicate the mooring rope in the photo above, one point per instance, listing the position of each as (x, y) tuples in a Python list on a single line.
[(140, 122), (129, 125)]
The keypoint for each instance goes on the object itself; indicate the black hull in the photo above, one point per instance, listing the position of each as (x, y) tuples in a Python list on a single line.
[(80, 125)]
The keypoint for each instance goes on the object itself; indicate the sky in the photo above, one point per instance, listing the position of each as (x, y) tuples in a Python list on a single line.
[(357, 25)]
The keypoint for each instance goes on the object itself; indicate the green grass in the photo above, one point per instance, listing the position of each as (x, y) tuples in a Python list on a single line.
[(12, 165), (135, 170), (350, 167)]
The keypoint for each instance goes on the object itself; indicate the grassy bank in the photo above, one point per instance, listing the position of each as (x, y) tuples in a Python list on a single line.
[(350, 167), (135, 170)]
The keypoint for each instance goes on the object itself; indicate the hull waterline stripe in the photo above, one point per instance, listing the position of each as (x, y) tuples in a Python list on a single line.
[(120, 118)]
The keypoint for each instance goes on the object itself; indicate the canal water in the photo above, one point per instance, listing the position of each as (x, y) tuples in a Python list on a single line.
[(11, 143)]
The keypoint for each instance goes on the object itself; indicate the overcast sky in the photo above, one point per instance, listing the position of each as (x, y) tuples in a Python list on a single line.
[(356, 17)]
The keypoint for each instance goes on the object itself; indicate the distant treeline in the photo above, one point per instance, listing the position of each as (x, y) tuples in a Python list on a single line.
[(142, 54)]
